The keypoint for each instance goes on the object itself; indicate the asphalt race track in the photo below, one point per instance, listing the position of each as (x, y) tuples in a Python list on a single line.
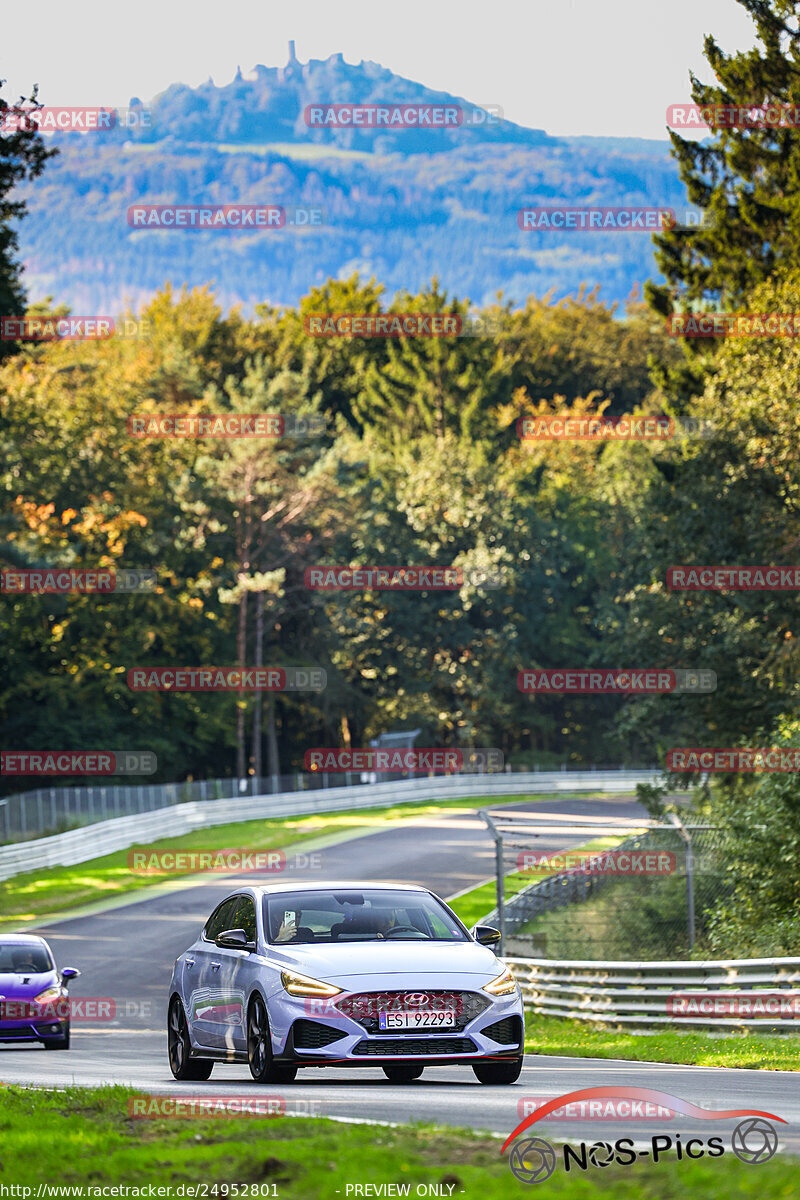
[(126, 953)]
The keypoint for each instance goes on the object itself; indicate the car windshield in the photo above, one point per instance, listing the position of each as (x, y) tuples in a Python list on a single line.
[(358, 916), (24, 959)]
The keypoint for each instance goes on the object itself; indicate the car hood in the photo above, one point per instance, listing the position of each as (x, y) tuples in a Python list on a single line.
[(25, 986), (342, 960)]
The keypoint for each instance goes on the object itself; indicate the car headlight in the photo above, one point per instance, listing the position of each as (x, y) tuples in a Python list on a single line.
[(303, 985), (50, 995), (503, 985)]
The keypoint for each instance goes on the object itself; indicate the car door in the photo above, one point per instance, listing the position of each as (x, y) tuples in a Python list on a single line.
[(239, 972), (206, 1000)]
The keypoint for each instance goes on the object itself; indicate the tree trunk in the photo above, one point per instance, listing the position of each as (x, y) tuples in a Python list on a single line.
[(273, 759), (257, 702), (241, 704)]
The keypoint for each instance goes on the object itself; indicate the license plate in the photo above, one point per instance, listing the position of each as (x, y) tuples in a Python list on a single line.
[(416, 1020)]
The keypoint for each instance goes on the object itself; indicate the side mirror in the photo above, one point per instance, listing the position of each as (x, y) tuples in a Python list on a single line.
[(486, 935), (70, 973), (234, 939)]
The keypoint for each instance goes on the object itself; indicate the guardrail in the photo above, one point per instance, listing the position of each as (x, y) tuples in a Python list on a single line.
[(46, 811), (104, 837), (745, 992)]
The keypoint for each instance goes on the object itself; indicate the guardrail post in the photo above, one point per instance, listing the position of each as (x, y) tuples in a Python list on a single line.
[(500, 880), (689, 877)]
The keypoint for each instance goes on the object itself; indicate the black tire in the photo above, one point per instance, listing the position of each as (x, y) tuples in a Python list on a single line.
[(179, 1047), (259, 1047), (61, 1044), (498, 1071), (403, 1072)]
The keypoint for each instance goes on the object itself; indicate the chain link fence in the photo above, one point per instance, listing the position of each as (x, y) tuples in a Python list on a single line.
[(645, 898), (43, 812), (47, 811)]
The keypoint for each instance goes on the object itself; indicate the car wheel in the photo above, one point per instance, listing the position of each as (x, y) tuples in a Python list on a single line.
[(402, 1072), (259, 1047), (61, 1044), (179, 1047), (498, 1072)]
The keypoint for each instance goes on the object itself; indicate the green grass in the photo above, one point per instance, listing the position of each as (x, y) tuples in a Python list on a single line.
[(51, 892), (578, 1039), (84, 1137), (481, 900)]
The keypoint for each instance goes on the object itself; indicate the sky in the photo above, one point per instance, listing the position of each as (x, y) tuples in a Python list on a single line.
[(570, 67)]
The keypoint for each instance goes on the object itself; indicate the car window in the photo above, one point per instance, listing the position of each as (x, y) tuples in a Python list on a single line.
[(244, 917), (347, 916), (22, 959), (219, 919)]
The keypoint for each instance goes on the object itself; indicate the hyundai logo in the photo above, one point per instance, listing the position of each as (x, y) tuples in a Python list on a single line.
[(417, 999)]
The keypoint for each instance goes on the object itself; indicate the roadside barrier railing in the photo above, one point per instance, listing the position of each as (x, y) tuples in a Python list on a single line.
[(118, 833), (741, 993)]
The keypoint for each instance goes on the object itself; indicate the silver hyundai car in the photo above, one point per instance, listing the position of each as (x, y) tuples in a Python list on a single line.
[(345, 975)]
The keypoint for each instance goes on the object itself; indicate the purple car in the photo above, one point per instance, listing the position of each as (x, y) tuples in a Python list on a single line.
[(34, 996)]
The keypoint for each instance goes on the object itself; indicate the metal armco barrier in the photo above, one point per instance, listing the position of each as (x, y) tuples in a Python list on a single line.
[(751, 993), (104, 837)]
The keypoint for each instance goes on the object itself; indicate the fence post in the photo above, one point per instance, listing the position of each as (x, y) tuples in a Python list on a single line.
[(689, 877)]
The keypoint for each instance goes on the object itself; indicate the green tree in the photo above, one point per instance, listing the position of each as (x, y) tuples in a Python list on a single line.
[(22, 156), (746, 178)]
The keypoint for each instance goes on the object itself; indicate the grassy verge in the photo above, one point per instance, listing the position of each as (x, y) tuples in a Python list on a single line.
[(84, 1137), (759, 1051), (50, 892), (479, 901)]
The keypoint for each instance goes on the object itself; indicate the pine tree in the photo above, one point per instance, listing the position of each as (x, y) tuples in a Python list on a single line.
[(745, 177), (22, 156)]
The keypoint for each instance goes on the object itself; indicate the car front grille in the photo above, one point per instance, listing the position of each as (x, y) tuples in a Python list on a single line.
[(365, 1007), (414, 1047), (312, 1035), (505, 1031)]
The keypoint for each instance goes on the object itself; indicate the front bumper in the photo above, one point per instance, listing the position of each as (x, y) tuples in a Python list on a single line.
[(33, 1031), (317, 1033)]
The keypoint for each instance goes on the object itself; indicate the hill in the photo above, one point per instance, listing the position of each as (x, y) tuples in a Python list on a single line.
[(402, 204)]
